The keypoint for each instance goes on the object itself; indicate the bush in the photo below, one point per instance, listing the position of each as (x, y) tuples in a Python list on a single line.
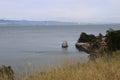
[(113, 40), (6, 73)]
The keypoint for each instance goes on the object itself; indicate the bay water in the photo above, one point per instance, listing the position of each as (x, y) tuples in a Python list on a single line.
[(40, 45)]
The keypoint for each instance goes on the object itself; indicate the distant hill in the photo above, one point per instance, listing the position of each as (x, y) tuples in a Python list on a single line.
[(25, 22)]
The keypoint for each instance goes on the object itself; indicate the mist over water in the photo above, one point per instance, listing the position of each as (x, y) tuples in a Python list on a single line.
[(41, 45)]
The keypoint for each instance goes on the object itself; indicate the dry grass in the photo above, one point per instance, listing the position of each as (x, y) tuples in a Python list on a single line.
[(105, 68)]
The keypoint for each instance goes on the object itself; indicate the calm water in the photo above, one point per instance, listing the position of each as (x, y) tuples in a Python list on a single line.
[(41, 45)]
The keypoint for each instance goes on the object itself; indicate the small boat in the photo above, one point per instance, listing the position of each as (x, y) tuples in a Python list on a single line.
[(64, 44)]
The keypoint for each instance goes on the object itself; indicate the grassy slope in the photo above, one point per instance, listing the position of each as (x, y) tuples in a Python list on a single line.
[(106, 68)]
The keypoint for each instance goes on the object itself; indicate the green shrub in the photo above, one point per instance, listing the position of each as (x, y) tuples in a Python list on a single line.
[(113, 40)]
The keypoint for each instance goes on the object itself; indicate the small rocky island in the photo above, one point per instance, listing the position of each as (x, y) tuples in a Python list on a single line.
[(64, 44), (90, 43)]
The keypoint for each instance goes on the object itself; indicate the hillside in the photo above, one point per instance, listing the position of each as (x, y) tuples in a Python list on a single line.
[(25, 22)]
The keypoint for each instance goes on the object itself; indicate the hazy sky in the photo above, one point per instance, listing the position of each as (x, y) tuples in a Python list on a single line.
[(101, 11)]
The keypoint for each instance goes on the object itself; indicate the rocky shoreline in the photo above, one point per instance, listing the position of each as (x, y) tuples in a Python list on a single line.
[(92, 44)]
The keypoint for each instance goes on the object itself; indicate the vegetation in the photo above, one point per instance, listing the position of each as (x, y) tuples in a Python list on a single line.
[(101, 66), (6, 73), (104, 68), (113, 40)]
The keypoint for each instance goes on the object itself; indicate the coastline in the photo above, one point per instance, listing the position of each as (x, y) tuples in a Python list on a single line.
[(99, 62), (102, 69), (112, 49)]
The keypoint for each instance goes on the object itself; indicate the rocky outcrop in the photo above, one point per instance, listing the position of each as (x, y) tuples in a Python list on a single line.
[(90, 43), (86, 38), (98, 46), (83, 47)]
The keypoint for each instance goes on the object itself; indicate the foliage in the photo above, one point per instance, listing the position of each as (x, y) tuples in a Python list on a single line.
[(6, 73), (113, 40)]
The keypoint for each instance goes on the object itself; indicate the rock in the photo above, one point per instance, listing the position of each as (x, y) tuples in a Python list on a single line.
[(90, 42), (64, 44), (86, 38), (98, 46), (83, 47)]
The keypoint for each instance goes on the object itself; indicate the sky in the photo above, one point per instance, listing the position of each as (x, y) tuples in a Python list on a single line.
[(81, 11)]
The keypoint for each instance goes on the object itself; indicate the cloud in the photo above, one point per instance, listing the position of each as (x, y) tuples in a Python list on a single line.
[(66, 10)]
